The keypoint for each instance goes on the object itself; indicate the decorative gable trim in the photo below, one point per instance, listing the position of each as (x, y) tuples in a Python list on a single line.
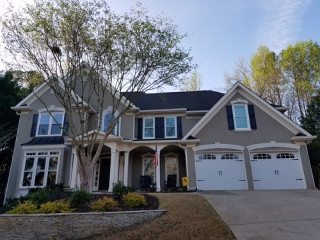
[(256, 100)]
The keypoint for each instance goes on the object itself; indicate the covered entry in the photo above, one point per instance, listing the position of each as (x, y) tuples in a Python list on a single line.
[(220, 171)]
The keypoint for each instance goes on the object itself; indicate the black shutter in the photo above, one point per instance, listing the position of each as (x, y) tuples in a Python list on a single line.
[(65, 126), (140, 128), (252, 117), (230, 118), (159, 127), (179, 127), (34, 125)]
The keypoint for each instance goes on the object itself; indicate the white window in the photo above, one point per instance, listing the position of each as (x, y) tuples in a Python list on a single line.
[(50, 125), (148, 128), (107, 121), (241, 117), (40, 169), (171, 127)]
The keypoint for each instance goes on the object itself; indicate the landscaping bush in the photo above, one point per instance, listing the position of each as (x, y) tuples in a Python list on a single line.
[(119, 189), (24, 208), (40, 196), (12, 203), (79, 198), (133, 200), (59, 206), (103, 205)]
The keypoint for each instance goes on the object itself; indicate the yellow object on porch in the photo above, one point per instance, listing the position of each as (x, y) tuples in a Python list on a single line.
[(185, 181)]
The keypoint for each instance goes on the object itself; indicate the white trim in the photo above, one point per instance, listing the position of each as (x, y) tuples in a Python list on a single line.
[(175, 110), (106, 111), (175, 127), (281, 118), (32, 94), (218, 145), (245, 105), (51, 122), (143, 126), (46, 147), (34, 167), (271, 145)]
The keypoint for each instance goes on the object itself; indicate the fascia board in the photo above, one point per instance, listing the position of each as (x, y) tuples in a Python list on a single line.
[(32, 96)]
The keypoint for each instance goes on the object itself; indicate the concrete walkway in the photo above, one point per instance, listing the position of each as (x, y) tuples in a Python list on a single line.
[(269, 215)]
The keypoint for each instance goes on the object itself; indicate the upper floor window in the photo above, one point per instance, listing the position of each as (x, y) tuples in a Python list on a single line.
[(240, 115), (50, 124), (107, 121), (171, 127), (148, 128)]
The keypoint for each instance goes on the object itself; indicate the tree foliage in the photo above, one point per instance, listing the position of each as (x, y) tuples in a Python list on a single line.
[(311, 122), (194, 83), (300, 66), (290, 78), (85, 52)]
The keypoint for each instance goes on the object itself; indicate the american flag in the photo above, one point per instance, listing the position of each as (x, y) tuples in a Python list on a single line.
[(156, 157)]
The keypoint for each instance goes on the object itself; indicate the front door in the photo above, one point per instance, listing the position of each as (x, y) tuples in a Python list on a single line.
[(104, 174)]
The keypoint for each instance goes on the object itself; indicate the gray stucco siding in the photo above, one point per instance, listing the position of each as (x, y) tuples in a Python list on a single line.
[(268, 129)]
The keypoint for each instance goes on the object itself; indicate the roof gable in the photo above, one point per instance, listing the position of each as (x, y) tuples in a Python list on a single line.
[(256, 100)]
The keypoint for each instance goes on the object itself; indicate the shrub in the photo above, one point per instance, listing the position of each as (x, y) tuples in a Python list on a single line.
[(59, 206), (133, 200), (12, 203), (24, 208), (119, 189), (103, 205), (39, 197), (79, 197)]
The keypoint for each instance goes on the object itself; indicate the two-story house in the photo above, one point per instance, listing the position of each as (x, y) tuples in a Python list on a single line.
[(231, 141)]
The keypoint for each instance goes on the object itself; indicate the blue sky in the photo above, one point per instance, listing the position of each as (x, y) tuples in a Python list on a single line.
[(223, 31)]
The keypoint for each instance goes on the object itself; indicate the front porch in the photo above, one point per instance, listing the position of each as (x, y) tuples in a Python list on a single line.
[(128, 166)]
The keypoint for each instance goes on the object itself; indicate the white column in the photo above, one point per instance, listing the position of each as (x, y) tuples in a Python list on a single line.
[(126, 168), (158, 173), (116, 167), (74, 172), (112, 170)]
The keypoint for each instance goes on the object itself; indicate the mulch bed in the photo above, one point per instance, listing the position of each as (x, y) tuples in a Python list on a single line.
[(152, 203)]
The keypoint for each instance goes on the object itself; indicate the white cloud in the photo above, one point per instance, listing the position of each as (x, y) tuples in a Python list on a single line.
[(281, 22)]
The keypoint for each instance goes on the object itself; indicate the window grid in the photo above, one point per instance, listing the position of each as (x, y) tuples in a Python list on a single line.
[(262, 156), (207, 157), (40, 169), (50, 126), (285, 155), (171, 127), (148, 128), (230, 156)]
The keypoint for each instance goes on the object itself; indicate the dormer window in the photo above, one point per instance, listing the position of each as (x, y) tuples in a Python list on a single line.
[(240, 116), (50, 124)]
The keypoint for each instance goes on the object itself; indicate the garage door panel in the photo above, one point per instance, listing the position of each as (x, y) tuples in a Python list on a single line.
[(277, 171), (220, 173)]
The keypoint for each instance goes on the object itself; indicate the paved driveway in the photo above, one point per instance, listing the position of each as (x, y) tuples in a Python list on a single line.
[(269, 215)]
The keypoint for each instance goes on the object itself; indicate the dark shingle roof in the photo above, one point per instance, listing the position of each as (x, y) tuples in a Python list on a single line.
[(197, 100), (45, 141)]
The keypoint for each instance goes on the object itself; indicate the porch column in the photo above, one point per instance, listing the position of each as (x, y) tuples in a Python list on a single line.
[(158, 173), (74, 170), (126, 168), (112, 169), (116, 167)]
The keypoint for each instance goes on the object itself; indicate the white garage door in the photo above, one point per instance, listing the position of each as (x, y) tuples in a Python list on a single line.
[(220, 172), (277, 171)]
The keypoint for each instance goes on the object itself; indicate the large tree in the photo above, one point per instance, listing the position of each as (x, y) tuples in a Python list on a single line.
[(311, 122), (10, 94), (266, 79), (300, 65), (86, 52)]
